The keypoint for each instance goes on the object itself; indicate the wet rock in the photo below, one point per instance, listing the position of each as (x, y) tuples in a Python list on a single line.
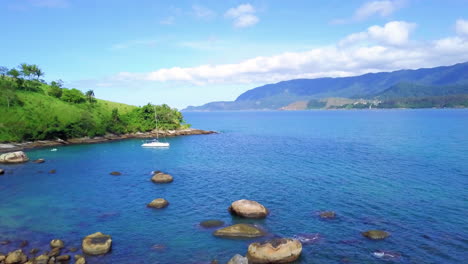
[(51, 260), (238, 259), (248, 209), (115, 173), (158, 203), (41, 259), (376, 234), (14, 157), (160, 177), (57, 243), (39, 161), (16, 256), (81, 260), (239, 231), (327, 215), (24, 243), (97, 244), (78, 257), (73, 249), (2, 257), (280, 250), (211, 223), (2, 171), (34, 251), (62, 258), (52, 171), (54, 252), (5, 242)]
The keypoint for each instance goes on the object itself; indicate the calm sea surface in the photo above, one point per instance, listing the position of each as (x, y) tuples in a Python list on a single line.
[(404, 171)]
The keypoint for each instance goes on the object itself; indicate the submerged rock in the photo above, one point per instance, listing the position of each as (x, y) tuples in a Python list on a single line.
[(34, 251), (24, 243), (52, 171), (13, 157), (54, 252), (248, 209), (376, 234), (97, 244), (280, 250), (158, 203), (39, 161), (327, 215), (160, 177), (238, 259), (16, 256), (239, 231), (211, 223), (115, 173), (57, 243), (62, 258)]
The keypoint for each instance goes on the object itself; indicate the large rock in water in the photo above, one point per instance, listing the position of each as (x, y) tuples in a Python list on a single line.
[(239, 231), (97, 244), (238, 259), (16, 256), (248, 209), (159, 177), (13, 157), (376, 234), (158, 203), (280, 250)]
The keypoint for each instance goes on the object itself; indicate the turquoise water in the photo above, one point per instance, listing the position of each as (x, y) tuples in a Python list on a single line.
[(404, 171)]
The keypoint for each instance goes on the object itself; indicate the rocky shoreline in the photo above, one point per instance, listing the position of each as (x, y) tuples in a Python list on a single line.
[(9, 147)]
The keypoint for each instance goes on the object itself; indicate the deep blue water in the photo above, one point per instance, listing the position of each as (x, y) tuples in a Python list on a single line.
[(404, 171)]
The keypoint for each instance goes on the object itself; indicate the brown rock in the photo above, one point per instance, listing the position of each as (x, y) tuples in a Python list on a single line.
[(57, 243), (281, 250), (248, 209), (14, 157), (239, 231), (376, 234), (2, 257), (39, 161), (16, 256), (41, 259), (159, 177), (211, 223), (34, 251), (158, 203), (97, 244), (73, 249), (81, 260), (54, 252), (62, 258), (115, 173)]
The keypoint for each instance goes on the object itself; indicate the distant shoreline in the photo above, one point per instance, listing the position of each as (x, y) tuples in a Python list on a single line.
[(16, 146)]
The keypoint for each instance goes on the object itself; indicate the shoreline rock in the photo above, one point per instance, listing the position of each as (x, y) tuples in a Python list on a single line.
[(11, 147), (13, 157), (97, 244)]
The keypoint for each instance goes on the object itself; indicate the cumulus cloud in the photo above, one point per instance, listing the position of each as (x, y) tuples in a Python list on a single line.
[(386, 52), (242, 15), (392, 33), (461, 27), (382, 8)]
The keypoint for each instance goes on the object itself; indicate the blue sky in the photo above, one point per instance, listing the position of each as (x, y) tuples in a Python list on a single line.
[(192, 52)]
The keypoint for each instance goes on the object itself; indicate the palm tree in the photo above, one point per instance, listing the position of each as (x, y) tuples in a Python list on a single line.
[(25, 70)]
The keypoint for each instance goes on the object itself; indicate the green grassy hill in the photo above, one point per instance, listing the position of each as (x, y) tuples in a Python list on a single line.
[(34, 110)]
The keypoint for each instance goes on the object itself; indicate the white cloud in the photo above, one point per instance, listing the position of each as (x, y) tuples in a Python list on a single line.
[(385, 52), (381, 8), (461, 27), (243, 15), (167, 21), (203, 12), (392, 33)]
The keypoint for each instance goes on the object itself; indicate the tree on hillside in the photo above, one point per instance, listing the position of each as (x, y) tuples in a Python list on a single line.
[(36, 71), (7, 92), (25, 70), (90, 96), (3, 71), (73, 96)]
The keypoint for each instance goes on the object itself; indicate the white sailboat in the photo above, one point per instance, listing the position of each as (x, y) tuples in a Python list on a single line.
[(156, 143)]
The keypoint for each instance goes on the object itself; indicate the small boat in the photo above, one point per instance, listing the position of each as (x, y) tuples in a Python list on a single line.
[(54, 149), (155, 143)]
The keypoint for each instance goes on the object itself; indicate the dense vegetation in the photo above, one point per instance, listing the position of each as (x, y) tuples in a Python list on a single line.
[(32, 109), (446, 101), (438, 81)]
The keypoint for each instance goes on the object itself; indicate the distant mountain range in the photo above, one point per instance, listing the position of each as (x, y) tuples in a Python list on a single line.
[(425, 82)]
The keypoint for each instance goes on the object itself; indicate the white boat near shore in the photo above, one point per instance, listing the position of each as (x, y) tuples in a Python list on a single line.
[(156, 143)]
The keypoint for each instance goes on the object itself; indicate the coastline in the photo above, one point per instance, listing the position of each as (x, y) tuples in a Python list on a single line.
[(9, 147)]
